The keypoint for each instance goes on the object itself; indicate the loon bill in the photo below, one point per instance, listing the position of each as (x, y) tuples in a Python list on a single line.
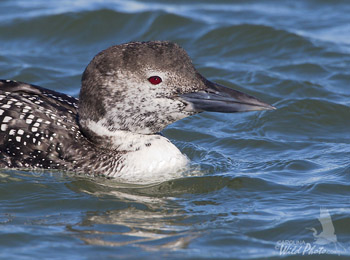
[(129, 93)]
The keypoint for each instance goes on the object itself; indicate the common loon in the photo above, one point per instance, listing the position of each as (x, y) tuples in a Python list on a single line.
[(129, 93)]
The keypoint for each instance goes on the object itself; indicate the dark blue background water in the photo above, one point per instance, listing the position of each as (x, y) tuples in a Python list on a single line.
[(265, 176)]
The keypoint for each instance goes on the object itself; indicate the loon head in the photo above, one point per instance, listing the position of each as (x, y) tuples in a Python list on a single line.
[(141, 87)]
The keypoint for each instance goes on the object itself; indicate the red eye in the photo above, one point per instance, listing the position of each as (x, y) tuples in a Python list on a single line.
[(155, 80)]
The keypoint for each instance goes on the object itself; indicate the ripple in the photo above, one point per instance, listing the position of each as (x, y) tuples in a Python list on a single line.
[(68, 24), (246, 41), (303, 71), (316, 119)]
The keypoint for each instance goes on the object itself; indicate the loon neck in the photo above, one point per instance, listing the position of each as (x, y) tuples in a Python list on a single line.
[(141, 158), (119, 140)]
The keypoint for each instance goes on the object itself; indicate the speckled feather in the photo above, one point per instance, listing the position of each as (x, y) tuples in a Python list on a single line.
[(39, 129)]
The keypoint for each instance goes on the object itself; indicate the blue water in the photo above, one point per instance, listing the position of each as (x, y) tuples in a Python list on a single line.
[(266, 178)]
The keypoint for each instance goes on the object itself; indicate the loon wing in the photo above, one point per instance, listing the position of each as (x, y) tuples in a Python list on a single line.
[(9, 87), (30, 118)]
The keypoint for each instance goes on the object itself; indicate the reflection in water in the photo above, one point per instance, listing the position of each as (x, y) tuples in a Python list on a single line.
[(144, 214), (135, 226)]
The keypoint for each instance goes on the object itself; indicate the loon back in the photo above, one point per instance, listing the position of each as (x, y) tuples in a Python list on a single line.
[(39, 129), (31, 124)]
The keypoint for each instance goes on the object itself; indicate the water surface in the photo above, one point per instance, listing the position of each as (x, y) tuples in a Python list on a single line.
[(265, 176)]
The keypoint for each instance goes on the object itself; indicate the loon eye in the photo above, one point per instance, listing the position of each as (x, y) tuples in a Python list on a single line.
[(155, 80)]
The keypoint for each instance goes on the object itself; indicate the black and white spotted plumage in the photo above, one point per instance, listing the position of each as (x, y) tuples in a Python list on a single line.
[(39, 129)]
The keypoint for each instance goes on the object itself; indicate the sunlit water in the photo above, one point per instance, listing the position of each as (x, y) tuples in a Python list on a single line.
[(265, 177)]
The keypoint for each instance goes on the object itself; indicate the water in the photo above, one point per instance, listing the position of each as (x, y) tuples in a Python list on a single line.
[(265, 176)]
